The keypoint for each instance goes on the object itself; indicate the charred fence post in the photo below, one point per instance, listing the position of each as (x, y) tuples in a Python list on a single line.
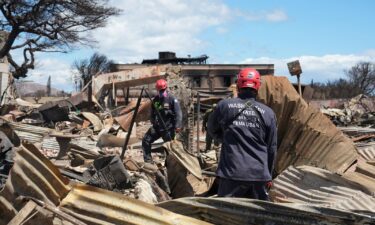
[(131, 125)]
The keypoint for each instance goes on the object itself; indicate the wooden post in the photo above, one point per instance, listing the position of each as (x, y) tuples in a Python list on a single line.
[(131, 126), (127, 96)]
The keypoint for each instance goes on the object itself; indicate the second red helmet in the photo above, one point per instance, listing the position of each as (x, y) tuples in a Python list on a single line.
[(161, 84), (248, 78)]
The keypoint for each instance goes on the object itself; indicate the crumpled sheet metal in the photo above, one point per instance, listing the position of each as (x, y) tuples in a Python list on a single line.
[(249, 211), (98, 125), (188, 161), (143, 114), (366, 150), (183, 184), (40, 136), (316, 186), (35, 176), (305, 135), (98, 206)]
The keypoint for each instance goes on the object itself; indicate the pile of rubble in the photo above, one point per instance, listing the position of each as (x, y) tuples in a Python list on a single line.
[(359, 111), (70, 162)]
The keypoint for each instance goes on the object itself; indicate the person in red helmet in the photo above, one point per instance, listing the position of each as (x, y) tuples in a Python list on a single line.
[(170, 112), (247, 130)]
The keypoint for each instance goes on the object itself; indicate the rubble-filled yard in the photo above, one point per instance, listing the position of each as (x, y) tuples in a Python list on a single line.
[(72, 162)]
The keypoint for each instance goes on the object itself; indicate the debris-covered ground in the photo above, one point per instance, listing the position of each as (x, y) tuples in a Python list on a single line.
[(72, 162)]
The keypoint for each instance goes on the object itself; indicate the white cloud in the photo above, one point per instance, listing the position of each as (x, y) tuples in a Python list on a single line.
[(60, 72), (275, 15), (221, 30), (146, 27), (318, 68)]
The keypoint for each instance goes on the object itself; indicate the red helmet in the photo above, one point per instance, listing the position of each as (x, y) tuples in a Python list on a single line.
[(161, 84), (248, 78)]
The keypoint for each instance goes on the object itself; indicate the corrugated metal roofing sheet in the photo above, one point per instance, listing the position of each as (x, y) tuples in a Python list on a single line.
[(306, 136), (35, 176), (97, 206), (40, 135), (247, 211), (317, 186), (30, 128), (366, 150)]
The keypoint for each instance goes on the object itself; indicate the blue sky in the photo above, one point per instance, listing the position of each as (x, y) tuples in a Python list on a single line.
[(326, 36)]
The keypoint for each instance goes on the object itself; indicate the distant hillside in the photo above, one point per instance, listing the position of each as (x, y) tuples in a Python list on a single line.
[(26, 88)]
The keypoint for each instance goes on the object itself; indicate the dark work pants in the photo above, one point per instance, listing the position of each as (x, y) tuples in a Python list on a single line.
[(151, 136), (243, 189)]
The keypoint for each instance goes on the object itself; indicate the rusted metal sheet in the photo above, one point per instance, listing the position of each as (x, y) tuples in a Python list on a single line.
[(305, 136), (97, 206), (35, 176), (247, 211), (363, 137), (317, 186), (143, 114), (122, 79)]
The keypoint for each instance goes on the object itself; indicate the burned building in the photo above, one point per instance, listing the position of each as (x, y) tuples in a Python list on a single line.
[(199, 74)]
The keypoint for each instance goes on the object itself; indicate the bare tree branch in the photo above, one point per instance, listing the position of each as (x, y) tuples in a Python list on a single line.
[(49, 26)]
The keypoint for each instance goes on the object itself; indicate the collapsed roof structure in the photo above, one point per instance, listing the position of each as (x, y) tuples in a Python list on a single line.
[(322, 175)]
